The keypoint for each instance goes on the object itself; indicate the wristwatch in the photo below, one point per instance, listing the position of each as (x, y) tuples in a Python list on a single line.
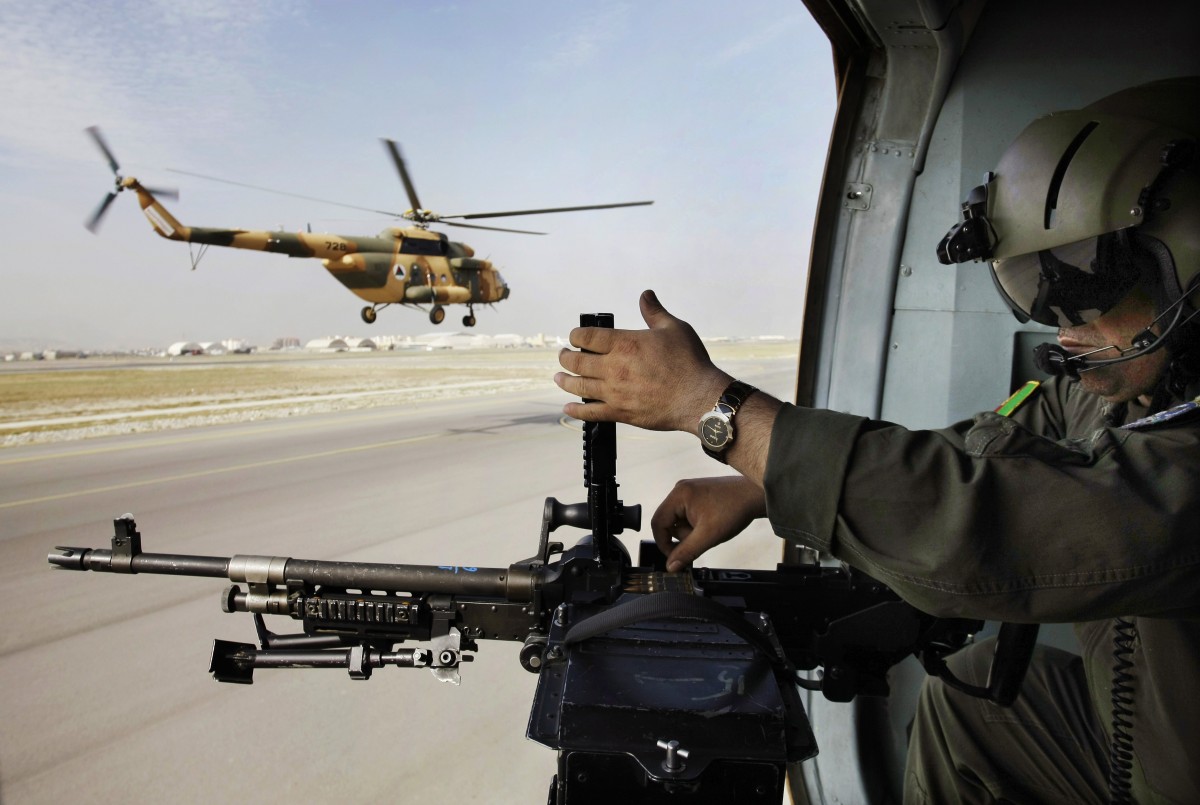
[(716, 426)]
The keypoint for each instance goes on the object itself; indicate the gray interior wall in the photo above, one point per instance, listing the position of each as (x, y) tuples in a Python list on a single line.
[(950, 349), (900, 336)]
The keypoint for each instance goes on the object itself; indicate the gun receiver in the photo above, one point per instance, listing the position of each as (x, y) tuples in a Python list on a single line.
[(649, 683)]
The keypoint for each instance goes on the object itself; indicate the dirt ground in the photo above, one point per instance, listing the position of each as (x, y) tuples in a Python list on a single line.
[(51, 401)]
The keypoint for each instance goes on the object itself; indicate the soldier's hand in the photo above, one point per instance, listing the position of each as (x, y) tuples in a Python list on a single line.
[(660, 378), (701, 513)]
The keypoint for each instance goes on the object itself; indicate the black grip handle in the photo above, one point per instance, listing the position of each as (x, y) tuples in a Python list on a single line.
[(1014, 650), (600, 466), (1010, 660)]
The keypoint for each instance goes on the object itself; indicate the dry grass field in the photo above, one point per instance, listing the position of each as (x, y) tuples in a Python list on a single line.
[(81, 398)]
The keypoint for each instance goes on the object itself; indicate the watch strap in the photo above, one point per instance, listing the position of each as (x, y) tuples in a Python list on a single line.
[(735, 394), (730, 401)]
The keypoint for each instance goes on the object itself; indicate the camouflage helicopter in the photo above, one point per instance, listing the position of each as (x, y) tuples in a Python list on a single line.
[(409, 266)]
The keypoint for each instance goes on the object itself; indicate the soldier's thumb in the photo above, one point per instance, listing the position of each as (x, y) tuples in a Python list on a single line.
[(684, 554), (653, 313)]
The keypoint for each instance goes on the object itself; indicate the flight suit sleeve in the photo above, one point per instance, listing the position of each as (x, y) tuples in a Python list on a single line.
[(988, 519)]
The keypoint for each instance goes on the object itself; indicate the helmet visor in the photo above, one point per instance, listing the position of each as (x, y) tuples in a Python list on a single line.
[(1068, 285)]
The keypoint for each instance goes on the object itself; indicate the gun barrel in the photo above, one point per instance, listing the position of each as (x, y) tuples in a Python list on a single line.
[(513, 584), (171, 564)]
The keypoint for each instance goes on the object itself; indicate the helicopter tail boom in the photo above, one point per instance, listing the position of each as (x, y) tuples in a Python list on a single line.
[(163, 222)]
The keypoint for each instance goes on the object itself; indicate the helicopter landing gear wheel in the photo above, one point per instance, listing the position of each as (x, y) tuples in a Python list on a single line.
[(469, 320), (368, 314), (437, 315)]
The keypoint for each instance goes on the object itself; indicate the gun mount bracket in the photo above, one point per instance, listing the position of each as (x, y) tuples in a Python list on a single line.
[(674, 761), (126, 544)]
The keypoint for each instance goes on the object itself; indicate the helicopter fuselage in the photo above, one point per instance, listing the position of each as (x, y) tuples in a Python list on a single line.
[(400, 265)]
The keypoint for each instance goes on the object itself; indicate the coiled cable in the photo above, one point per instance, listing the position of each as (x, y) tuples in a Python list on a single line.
[(1120, 759)]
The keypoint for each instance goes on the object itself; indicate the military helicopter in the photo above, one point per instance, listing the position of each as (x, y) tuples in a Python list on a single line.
[(409, 266)]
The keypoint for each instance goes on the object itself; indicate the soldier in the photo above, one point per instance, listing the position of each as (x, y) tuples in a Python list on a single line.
[(1078, 506)]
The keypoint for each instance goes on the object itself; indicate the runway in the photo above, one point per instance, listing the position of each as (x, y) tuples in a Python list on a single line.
[(104, 687)]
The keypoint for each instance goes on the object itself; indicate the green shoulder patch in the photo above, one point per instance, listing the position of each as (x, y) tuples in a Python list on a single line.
[(1018, 398)]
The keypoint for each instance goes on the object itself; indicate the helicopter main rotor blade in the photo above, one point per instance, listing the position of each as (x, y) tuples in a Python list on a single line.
[(548, 209), (93, 223), (491, 228), (94, 131), (398, 160), (388, 213)]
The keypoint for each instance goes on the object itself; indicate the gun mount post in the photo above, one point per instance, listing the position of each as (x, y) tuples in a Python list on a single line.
[(607, 514)]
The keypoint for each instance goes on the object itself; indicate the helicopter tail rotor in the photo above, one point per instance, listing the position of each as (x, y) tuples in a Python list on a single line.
[(93, 223), (98, 138)]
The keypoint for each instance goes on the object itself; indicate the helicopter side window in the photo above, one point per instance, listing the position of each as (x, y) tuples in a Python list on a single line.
[(422, 246)]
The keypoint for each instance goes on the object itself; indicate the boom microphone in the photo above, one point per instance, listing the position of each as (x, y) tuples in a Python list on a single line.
[(1055, 360)]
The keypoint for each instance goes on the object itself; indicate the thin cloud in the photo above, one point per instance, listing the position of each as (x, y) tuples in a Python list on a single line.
[(757, 40), (579, 47), (69, 64)]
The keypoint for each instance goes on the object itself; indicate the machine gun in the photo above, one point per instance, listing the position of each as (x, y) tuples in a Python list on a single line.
[(649, 683)]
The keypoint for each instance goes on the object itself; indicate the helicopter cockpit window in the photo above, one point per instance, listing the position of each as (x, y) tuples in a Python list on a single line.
[(423, 246)]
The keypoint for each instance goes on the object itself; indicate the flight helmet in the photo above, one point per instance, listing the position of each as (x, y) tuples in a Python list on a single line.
[(1086, 204)]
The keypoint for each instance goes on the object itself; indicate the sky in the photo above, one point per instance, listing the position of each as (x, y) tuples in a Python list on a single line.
[(719, 113)]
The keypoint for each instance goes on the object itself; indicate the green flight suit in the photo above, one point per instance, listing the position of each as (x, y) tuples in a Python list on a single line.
[(1056, 514)]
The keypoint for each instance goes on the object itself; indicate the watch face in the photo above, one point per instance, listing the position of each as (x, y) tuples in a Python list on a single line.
[(715, 430)]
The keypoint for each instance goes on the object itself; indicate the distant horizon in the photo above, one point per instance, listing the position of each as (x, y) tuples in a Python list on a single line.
[(19, 346)]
